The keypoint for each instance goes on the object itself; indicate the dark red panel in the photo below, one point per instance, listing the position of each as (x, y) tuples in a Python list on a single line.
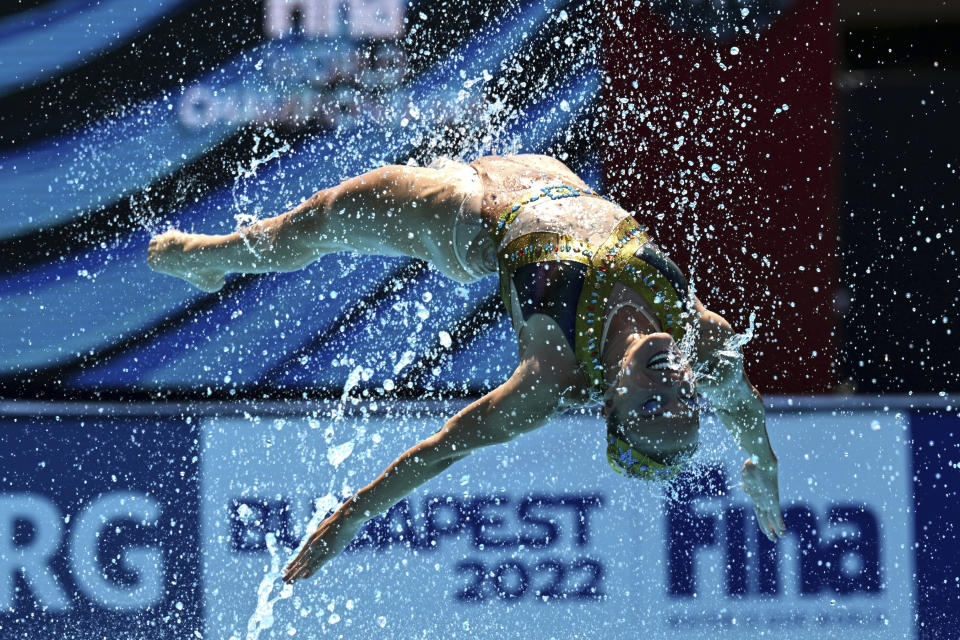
[(762, 233)]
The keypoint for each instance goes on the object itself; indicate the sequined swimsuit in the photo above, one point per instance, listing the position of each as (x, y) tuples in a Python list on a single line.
[(571, 279)]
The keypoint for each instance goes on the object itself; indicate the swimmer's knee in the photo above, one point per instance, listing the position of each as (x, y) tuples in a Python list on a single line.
[(338, 218), (313, 216)]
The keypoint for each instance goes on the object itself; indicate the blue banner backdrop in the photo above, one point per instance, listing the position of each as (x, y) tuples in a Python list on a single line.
[(311, 94), (164, 526)]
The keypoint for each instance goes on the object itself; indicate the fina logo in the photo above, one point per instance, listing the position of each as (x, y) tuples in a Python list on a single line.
[(838, 547), (32, 535), (323, 18), (721, 20)]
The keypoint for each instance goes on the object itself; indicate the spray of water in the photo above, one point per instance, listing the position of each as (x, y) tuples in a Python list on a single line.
[(247, 212)]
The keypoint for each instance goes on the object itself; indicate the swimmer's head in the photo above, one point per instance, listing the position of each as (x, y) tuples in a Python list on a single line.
[(651, 409)]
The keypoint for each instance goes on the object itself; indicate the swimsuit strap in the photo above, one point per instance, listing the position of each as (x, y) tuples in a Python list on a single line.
[(606, 265)]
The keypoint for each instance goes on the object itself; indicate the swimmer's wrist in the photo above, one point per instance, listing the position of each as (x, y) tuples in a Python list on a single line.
[(348, 510), (353, 513), (766, 462)]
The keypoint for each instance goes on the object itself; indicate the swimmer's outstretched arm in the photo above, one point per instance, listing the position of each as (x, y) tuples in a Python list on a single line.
[(739, 407), (523, 403)]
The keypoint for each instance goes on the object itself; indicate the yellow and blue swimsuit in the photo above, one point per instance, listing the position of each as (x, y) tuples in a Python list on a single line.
[(570, 281)]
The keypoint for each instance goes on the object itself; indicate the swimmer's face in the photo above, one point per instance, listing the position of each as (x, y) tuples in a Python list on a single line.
[(653, 397), (654, 378)]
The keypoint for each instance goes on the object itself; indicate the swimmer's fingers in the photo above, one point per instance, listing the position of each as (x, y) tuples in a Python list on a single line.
[(770, 509), (313, 556), (293, 570), (770, 522), (310, 570), (779, 525), (303, 569), (764, 524), (297, 568), (331, 537), (299, 571), (762, 487)]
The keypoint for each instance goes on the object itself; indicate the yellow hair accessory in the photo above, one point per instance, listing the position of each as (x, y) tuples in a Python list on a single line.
[(626, 460)]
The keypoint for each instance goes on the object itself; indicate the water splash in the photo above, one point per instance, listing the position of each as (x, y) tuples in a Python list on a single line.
[(729, 355), (732, 347), (405, 359), (262, 618), (336, 455), (245, 216)]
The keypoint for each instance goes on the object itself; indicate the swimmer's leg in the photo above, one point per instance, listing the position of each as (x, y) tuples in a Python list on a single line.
[(393, 210)]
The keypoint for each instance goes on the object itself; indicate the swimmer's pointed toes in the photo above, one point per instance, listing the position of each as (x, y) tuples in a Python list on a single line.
[(153, 253)]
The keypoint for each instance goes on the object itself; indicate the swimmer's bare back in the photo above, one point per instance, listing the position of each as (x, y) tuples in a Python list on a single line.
[(506, 178)]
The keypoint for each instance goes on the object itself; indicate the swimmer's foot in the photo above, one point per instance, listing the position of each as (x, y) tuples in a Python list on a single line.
[(179, 254)]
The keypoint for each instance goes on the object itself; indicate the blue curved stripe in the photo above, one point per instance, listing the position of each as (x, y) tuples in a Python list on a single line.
[(51, 40), (258, 326), (55, 181), (33, 19), (58, 180), (87, 302), (69, 313), (92, 307), (267, 334), (379, 343), (59, 311)]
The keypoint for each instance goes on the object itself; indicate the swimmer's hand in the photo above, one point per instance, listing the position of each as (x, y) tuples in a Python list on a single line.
[(181, 254), (760, 483), (332, 536)]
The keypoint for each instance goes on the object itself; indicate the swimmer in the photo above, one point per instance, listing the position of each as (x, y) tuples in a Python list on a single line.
[(600, 315)]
